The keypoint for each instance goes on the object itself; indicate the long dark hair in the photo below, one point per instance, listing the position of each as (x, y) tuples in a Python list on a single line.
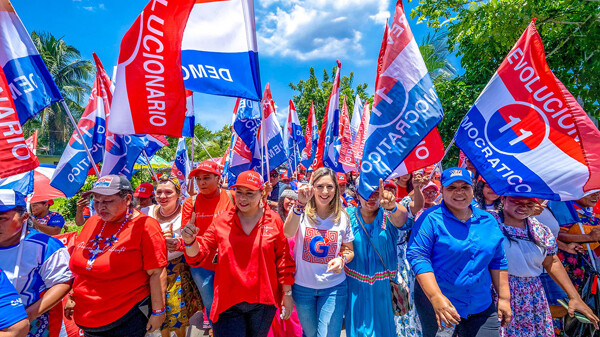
[(480, 198)]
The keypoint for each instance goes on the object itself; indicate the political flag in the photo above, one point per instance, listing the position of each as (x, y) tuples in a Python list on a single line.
[(149, 93), (405, 108), (15, 156), (32, 86), (527, 135), (74, 164), (219, 53)]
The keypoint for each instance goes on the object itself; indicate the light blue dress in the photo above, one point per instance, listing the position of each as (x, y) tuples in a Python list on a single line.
[(369, 309), (408, 325)]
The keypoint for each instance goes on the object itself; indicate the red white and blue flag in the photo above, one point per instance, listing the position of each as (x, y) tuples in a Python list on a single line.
[(74, 164), (346, 146), (190, 120), (328, 151), (293, 138), (270, 152), (246, 123), (527, 135), (311, 137), (32, 86), (356, 117), (405, 108), (181, 165), (15, 156), (361, 135), (149, 93), (219, 53)]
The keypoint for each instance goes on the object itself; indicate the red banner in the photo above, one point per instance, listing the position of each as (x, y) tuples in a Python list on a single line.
[(149, 93), (346, 148), (15, 156)]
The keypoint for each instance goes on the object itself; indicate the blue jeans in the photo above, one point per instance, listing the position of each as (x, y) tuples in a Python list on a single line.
[(321, 311), (204, 280)]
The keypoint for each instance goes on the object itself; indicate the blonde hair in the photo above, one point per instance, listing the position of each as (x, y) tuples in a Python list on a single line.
[(335, 205)]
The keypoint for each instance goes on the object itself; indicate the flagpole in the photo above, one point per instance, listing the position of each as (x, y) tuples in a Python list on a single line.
[(87, 150), (150, 164), (264, 143), (202, 144), (440, 162)]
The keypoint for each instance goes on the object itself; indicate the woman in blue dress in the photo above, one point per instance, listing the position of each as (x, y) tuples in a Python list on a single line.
[(369, 309)]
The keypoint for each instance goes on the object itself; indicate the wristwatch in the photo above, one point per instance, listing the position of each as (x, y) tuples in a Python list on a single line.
[(287, 293)]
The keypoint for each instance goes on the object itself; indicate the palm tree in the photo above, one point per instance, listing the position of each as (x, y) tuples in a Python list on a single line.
[(72, 76), (434, 49)]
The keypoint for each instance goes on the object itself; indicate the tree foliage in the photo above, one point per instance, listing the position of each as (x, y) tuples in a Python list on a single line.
[(216, 144), (318, 92), (483, 32), (72, 76)]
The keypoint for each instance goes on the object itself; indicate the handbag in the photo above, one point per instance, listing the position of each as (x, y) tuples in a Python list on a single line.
[(399, 289)]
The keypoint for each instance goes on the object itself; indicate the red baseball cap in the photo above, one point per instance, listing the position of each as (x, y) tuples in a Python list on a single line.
[(341, 178), (144, 190), (284, 176), (250, 179), (207, 166), (390, 183)]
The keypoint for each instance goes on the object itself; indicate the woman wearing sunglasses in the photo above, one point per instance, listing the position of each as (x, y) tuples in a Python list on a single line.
[(530, 248)]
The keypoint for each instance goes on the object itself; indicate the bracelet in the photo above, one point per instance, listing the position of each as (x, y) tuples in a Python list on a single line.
[(191, 244), (287, 293), (299, 209), (343, 257), (159, 312), (394, 210)]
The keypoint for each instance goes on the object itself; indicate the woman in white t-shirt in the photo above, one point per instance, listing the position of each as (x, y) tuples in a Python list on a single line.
[(183, 297), (323, 235)]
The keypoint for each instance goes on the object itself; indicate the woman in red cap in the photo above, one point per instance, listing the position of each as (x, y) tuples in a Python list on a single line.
[(210, 202), (256, 276), (530, 249)]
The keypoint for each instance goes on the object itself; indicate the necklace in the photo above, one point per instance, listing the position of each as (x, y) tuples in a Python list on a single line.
[(109, 241), (168, 215)]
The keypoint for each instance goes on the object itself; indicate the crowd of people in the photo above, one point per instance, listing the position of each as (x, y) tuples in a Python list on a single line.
[(427, 254)]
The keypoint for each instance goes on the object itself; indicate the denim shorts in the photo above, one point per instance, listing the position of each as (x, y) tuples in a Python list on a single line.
[(552, 290)]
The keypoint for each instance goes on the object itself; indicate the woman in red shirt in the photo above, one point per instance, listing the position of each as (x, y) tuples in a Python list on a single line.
[(256, 276), (119, 266)]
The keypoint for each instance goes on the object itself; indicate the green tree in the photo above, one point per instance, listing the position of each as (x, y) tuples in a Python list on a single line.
[(483, 32), (434, 49), (318, 92), (216, 144), (72, 76)]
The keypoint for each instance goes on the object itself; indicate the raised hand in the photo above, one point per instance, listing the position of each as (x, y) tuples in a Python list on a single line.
[(387, 199), (305, 192), (418, 180), (335, 265), (188, 233)]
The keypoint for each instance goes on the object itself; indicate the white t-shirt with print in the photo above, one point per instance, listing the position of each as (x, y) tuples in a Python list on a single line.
[(165, 226), (316, 245)]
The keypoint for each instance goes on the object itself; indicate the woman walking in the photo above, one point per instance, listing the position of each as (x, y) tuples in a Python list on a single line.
[(182, 296), (530, 249), (254, 269), (375, 226), (323, 241), (119, 266)]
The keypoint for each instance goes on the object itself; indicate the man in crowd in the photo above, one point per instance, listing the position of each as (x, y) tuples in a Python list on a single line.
[(145, 196), (45, 221), (347, 200)]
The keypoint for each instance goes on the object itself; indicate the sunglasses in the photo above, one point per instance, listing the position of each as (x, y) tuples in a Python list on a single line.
[(274, 175)]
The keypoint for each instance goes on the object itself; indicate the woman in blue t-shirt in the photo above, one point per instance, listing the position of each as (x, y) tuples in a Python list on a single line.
[(13, 318)]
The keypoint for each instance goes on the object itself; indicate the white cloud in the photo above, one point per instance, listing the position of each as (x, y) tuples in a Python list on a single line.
[(89, 8), (316, 29)]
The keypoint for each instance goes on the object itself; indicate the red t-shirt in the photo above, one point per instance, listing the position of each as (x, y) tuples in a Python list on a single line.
[(400, 192), (255, 269), (118, 278), (206, 209)]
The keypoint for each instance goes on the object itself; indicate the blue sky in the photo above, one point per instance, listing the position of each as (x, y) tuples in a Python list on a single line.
[(293, 35)]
